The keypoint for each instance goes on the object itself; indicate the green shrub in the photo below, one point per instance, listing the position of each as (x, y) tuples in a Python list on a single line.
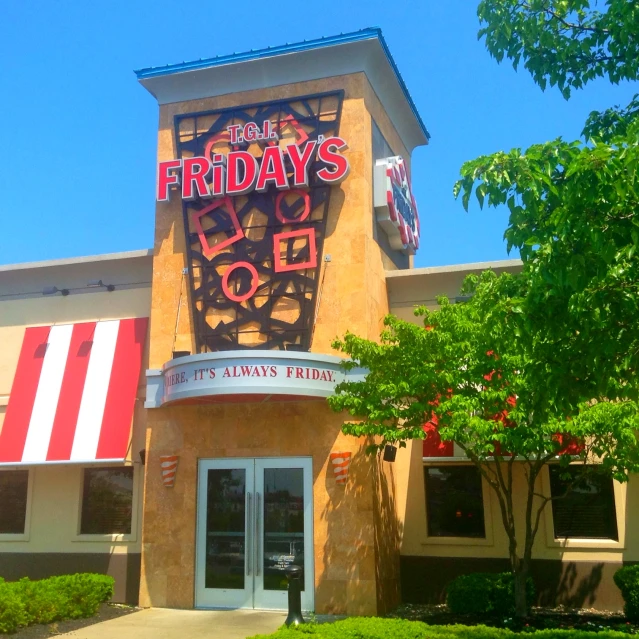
[(380, 628), (485, 593), (83, 593), (27, 602), (627, 580), (12, 612), (42, 603)]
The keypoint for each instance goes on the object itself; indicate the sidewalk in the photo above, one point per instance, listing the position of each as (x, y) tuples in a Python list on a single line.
[(162, 623)]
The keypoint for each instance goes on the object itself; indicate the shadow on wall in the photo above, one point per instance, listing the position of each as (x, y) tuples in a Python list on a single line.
[(388, 536), (575, 585), (359, 566), (572, 584)]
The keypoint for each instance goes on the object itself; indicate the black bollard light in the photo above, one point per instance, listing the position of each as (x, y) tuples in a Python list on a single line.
[(294, 576)]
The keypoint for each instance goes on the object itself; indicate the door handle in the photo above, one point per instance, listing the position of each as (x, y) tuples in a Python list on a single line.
[(249, 521), (257, 535)]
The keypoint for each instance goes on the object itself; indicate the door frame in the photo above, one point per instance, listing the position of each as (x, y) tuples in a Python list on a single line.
[(250, 598)]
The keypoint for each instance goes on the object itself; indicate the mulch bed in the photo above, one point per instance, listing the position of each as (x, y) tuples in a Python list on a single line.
[(540, 618), (40, 631)]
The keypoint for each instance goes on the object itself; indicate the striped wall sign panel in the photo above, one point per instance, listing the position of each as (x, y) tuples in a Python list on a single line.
[(74, 392)]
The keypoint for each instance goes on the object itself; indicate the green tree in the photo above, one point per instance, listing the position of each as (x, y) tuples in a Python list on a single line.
[(562, 337), (573, 205), (480, 369)]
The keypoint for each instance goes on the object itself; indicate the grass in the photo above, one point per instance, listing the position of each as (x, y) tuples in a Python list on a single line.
[(384, 628)]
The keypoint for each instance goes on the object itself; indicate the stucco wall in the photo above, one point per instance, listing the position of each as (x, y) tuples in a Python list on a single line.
[(51, 543), (53, 515), (574, 572)]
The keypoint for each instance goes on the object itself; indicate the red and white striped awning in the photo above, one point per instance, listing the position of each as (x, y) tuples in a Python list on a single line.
[(73, 394)]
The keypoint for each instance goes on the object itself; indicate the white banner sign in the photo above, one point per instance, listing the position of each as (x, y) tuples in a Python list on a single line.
[(259, 373)]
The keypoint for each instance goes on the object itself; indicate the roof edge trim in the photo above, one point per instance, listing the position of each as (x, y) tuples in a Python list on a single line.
[(369, 33), (453, 268), (85, 259), (257, 54)]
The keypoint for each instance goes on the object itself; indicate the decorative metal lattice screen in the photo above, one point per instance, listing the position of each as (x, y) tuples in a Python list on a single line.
[(254, 260)]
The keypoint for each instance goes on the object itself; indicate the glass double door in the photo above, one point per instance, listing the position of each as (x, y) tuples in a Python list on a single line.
[(255, 518)]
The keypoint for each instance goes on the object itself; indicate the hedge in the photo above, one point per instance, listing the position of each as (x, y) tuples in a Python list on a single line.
[(380, 628), (627, 580), (485, 593), (26, 602)]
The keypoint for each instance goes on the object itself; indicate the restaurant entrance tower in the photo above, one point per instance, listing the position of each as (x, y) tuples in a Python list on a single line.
[(283, 196)]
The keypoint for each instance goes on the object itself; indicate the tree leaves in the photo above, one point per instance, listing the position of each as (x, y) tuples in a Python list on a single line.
[(573, 216), (564, 43), (466, 369)]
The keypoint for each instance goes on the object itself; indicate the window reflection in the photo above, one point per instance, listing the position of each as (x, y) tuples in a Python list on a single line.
[(225, 529), (454, 501), (283, 540), (583, 508)]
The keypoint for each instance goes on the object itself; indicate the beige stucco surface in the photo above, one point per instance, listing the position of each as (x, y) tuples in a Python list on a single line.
[(415, 540), (53, 516)]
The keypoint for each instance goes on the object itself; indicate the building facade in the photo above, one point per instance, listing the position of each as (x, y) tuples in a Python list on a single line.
[(58, 377), (163, 413)]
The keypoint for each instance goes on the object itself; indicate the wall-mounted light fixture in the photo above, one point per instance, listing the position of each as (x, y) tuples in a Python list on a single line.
[(390, 452), (168, 465), (100, 284), (52, 290), (341, 463)]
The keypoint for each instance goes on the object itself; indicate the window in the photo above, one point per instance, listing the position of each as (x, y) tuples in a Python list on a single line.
[(587, 511), (14, 486), (454, 501), (107, 501)]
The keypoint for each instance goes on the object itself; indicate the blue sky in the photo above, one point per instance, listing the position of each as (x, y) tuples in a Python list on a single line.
[(78, 134)]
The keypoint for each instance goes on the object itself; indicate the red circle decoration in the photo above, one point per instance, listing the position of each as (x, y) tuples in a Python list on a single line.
[(307, 206), (254, 282)]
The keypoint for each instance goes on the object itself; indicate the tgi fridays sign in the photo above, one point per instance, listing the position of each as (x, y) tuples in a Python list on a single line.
[(255, 185), (240, 172)]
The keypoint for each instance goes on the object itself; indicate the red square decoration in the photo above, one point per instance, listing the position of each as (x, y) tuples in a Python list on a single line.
[(312, 261), (196, 216)]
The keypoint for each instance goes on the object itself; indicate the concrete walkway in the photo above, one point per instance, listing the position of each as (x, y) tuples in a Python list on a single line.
[(162, 623)]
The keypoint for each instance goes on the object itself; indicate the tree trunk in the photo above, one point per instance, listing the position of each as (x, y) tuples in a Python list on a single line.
[(520, 575)]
